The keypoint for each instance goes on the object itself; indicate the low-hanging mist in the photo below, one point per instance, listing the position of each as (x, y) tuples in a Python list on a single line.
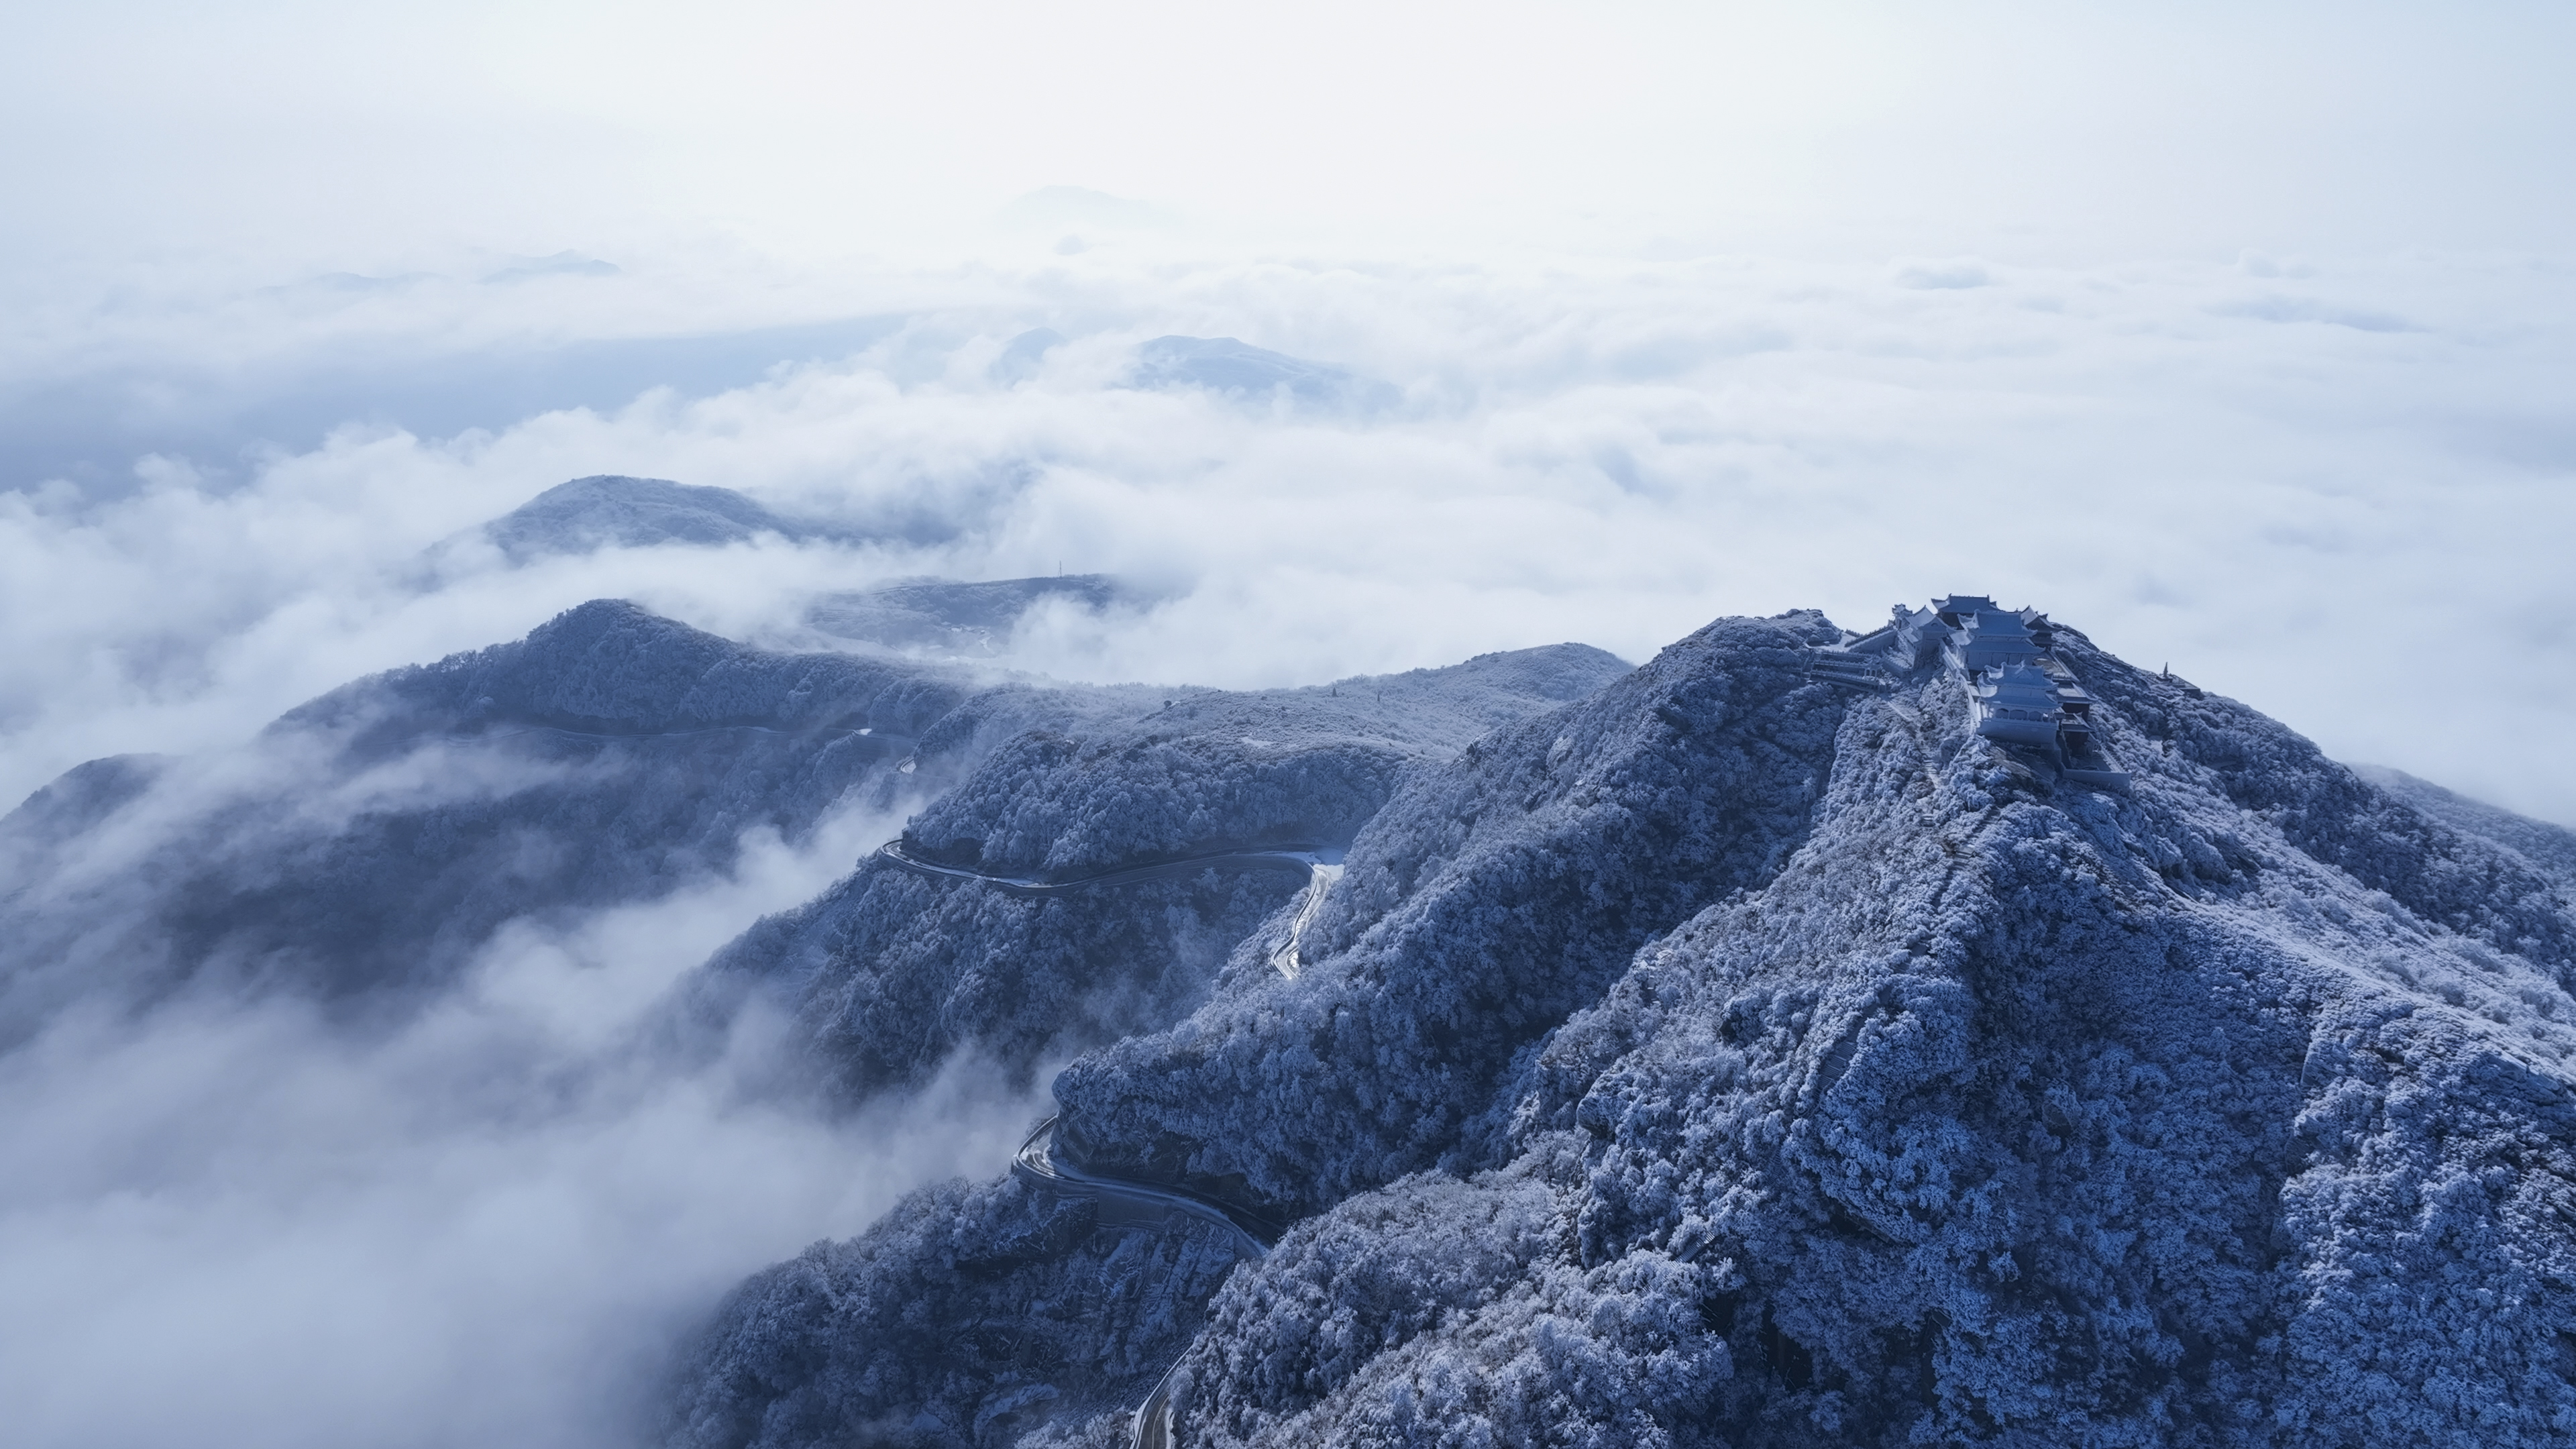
[(485, 1225)]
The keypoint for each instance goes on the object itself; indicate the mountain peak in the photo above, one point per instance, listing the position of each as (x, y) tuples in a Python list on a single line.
[(607, 510)]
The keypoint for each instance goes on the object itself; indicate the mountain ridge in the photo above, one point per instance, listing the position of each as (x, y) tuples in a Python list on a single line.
[(1740, 1048), (2240, 1109), (366, 843)]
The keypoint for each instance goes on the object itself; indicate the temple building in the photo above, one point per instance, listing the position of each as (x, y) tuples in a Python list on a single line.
[(2016, 703), (2019, 692)]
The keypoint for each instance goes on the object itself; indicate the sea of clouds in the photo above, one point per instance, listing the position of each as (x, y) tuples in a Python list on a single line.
[(2328, 487), (235, 1223), (2240, 343), (2333, 489)]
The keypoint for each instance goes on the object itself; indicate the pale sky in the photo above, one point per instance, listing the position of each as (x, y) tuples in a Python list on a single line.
[(283, 136)]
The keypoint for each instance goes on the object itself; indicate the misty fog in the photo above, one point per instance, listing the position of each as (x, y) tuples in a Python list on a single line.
[(233, 1223)]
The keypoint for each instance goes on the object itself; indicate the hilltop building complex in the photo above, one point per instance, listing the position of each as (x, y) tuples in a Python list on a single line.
[(2019, 692)]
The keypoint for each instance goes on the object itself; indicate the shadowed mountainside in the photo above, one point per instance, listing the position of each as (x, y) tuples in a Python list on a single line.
[(370, 841)]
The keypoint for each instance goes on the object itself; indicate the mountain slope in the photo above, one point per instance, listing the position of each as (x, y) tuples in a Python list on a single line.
[(2004, 1116), (1484, 904), (1733, 1058), (893, 970), (374, 838), (2551, 849)]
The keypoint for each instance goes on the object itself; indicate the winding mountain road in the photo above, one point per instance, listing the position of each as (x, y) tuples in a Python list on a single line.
[(1303, 861), (1131, 1203), (1320, 884), (1128, 1202), (1150, 1206)]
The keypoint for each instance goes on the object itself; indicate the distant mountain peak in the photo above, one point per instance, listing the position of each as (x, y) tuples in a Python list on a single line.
[(1235, 368), (608, 510)]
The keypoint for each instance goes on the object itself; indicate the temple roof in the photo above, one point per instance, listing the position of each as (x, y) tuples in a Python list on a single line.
[(2019, 686)]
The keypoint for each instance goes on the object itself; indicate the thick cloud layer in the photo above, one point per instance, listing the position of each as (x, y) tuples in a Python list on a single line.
[(236, 1226), (2333, 489)]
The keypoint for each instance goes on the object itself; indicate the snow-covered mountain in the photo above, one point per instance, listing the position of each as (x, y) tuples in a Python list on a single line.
[(611, 511), (370, 840), (894, 971), (1733, 1056), (1741, 1049)]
